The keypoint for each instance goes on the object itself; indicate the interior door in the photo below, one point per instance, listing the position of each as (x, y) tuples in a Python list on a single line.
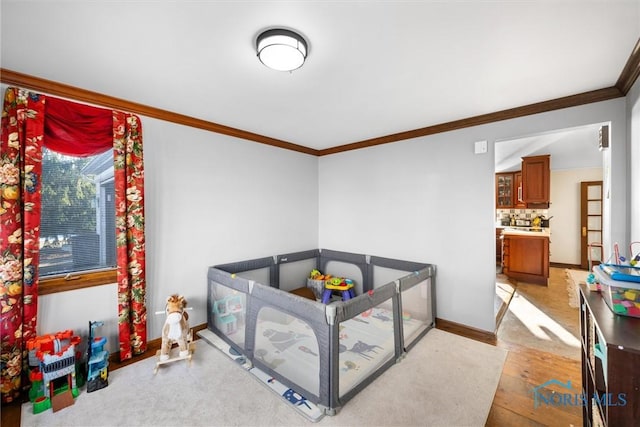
[(590, 222)]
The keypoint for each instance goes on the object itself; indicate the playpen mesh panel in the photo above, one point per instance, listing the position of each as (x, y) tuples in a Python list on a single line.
[(260, 275), (293, 275), (287, 345), (382, 275), (228, 310), (416, 310), (366, 342)]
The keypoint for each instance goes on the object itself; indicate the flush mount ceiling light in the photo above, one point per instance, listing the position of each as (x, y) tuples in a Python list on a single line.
[(281, 49)]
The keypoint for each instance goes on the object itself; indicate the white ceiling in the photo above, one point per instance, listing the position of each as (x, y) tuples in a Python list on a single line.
[(574, 148), (374, 68)]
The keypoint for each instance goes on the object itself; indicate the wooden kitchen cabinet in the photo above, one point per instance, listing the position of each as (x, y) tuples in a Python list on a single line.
[(526, 258), (536, 181), (610, 363), (529, 188), (504, 190), (518, 199), (505, 254), (498, 245)]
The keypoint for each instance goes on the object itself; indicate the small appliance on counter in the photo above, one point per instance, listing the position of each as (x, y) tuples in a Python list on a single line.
[(536, 222), (545, 221)]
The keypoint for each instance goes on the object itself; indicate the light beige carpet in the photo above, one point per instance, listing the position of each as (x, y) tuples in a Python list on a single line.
[(445, 380)]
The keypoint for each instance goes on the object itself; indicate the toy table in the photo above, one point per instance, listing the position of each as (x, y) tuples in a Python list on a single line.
[(346, 289)]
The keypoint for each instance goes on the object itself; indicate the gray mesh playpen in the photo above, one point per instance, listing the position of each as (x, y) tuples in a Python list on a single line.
[(326, 352)]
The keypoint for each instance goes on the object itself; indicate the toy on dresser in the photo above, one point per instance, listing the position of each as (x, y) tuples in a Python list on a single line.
[(175, 330)]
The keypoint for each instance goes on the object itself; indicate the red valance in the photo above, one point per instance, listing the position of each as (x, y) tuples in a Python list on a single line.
[(77, 129)]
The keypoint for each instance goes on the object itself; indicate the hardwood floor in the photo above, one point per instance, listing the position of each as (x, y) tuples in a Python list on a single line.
[(526, 368), (11, 415)]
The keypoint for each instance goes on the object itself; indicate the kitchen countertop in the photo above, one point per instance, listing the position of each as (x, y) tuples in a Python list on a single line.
[(525, 231)]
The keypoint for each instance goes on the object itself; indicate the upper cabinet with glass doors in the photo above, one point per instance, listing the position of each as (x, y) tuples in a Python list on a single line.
[(504, 190)]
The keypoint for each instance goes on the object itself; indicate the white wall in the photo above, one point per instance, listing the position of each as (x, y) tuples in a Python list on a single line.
[(213, 199), (210, 199), (431, 199), (564, 246), (633, 140), (74, 309)]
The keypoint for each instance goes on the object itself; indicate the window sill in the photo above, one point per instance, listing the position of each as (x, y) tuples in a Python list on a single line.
[(78, 280)]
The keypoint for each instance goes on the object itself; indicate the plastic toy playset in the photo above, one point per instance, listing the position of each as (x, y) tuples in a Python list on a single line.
[(56, 368), (322, 351), (97, 360)]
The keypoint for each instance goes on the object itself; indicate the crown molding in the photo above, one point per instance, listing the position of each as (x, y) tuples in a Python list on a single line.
[(627, 78), (631, 71), (512, 113), (71, 92)]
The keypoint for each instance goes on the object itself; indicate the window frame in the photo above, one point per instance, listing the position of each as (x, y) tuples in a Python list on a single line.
[(81, 279), (76, 280)]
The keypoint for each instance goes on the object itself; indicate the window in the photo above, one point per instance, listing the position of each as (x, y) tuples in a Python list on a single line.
[(77, 228)]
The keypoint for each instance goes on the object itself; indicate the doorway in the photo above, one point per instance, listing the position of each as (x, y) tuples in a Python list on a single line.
[(575, 158), (590, 223)]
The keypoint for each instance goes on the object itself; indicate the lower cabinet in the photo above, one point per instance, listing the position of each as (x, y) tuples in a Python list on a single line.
[(610, 364), (526, 258)]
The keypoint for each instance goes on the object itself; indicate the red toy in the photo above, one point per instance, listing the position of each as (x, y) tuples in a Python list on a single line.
[(53, 357)]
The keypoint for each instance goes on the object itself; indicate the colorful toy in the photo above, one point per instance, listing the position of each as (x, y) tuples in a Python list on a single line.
[(226, 312), (97, 360), (592, 282), (175, 330), (338, 284), (53, 358), (317, 275)]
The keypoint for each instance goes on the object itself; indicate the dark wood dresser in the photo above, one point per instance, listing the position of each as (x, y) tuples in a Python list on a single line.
[(610, 364)]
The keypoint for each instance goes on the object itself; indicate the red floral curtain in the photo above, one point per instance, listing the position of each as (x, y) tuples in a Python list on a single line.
[(30, 121), (130, 243), (20, 171)]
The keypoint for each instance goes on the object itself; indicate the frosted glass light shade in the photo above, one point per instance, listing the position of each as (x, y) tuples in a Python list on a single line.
[(281, 49)]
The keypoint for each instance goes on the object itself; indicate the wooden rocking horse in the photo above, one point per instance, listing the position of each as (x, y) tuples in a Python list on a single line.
[(175, 330)]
